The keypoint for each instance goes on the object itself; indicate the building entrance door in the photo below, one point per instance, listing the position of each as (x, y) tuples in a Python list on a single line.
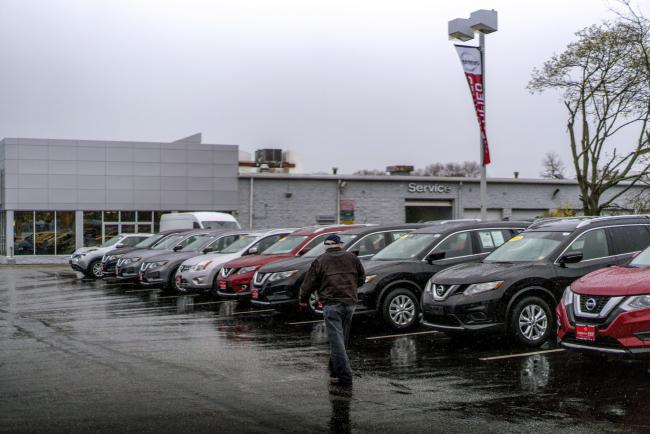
[(425, 211)]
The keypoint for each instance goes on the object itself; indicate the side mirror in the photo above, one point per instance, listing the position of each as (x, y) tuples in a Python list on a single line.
[(435, 256), (303, 251), (356, 252), (252, 251), (177, 248), (119, 245), (207, 250), (570, 258)]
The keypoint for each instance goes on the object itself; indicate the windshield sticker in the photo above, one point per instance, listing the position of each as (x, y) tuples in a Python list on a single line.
[(517, 238), (497, 236), (486, 240)]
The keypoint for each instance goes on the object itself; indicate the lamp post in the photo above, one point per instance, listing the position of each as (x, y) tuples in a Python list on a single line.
[(482, 21)]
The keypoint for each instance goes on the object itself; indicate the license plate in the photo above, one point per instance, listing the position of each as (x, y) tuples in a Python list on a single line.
[(586, 332), (255, 294), (179, 278), (141, 277), (437, 310), (222, 284)]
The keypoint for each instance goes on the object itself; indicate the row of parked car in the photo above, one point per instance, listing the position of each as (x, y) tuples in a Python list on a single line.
[(582, 277)]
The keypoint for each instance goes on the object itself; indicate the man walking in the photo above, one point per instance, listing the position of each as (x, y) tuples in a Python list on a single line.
[(335, 276)]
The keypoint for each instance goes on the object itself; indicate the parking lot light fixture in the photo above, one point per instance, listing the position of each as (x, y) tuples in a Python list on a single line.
[(483, 21)]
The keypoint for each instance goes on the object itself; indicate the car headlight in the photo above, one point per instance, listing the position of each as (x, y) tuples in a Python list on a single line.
[(201, 266), (131, 260), (429, 286), (153, 265), (636, 303), (567, 297), (478, 288), (371, 278), (112, 257), (282, 275), (245, 270)]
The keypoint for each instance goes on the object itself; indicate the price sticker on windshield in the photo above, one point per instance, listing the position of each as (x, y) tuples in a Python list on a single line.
[(517, 238)]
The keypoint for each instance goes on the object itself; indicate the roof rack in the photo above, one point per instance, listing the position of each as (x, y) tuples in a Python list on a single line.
[(542, 220), (613, 217), (444, 222)]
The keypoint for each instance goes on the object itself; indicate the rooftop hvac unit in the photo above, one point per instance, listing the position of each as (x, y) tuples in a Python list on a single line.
[(263, 156)]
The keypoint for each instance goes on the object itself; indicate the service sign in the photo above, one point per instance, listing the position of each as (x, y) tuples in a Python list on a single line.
[(425, 187)]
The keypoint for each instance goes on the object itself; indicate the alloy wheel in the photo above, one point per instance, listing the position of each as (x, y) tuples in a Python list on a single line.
[(313, 302), (533, 322), (402, 310), (97, 269)]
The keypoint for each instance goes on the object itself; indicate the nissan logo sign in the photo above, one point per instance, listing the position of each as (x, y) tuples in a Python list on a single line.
[(440, 290), (590, 304)]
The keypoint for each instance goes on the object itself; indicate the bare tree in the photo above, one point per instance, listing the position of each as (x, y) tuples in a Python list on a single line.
[(467, 169), (370, 172), (553, 166), (604, 78)]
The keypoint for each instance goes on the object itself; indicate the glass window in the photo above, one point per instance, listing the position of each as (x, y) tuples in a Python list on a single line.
[(168, 242), (223, 242), (127, 216), (194, 242), (127, 229), (218, 225), (267, 242), (66, 236), (238, 245), (592, 245), (144, 228), (408, 247), (92, 228), (156, 219), (488, 241), (394, 236), (285, 245), (24, 233), (150, 241), (629, 238), (371, 244), (456, 245), (528, 247), (111, 230), (132, 241), (44, 232), (642, 260), (112, 241), (111, 216), (144, 216)]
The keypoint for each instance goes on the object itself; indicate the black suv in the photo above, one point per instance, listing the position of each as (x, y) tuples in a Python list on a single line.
[(396, 276), (278, 283), (515, 288)]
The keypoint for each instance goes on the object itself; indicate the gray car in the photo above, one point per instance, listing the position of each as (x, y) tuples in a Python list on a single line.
[(160, 270), (88, 260)]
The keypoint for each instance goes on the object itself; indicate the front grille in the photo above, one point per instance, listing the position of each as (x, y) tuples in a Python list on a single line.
[(443, 320), (225, 272), (259, 278), (593, 304), (440, 292)]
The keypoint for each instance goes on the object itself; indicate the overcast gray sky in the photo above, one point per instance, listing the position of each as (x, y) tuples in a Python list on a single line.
[(353, 84)]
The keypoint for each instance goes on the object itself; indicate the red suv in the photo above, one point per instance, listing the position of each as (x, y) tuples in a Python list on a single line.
[(235, 277), (608, 311)]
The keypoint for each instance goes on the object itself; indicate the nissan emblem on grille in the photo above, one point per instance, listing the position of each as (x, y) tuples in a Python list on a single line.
[(440, 290), (590, 304)]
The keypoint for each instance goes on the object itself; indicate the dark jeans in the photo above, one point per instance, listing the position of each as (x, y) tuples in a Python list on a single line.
[(338, 319)]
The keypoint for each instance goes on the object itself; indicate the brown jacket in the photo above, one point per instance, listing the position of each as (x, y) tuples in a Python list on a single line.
[(335, 276)]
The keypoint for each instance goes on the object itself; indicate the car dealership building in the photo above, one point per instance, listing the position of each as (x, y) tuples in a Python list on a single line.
[(58, 195)]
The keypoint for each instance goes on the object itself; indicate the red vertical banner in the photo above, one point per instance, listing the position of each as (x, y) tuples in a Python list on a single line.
[(471, 59)]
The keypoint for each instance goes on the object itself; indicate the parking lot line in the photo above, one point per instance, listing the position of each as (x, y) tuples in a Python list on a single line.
[(137, 290), (305, 322), (510, 356), (253, 311), (430, 332), (209, 302)]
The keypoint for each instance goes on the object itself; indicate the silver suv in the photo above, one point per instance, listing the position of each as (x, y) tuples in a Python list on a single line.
[(88, 260)]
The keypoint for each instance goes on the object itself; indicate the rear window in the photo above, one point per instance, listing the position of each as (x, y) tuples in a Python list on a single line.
[(629, 239)]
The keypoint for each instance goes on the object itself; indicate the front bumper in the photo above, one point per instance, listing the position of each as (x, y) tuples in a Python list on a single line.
[(108, 268), (193, 280), (459, 313), (276, 293), (621, 333), (234, 287), (127, 273), (78, 264)]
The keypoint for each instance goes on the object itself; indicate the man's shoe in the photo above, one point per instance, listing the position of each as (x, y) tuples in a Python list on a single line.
[(340, 382)]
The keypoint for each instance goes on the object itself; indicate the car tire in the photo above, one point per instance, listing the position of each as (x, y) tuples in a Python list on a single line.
[(314, 308), (400, 309), (170, 286), (531, 321), (94, 270)]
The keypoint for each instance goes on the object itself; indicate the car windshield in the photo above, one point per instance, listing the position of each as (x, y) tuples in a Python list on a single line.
[(112, 241), (285, 245), (320, 249), (168, 242), (527, 247), (149, 241), (219, 225), (642, 260), (240, 244), (407, 247), (198, 243)]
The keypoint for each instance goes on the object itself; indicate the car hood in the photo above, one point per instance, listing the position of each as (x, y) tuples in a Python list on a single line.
[(254, 260), (614, 281), (218, 258), (477, 272), (123, 251), (287, 265), (388, 267), (90, 250), (146, 253)]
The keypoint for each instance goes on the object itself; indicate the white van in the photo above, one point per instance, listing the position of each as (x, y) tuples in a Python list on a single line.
[(198, 220)]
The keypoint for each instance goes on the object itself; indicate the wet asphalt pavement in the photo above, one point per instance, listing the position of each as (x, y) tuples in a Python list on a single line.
[(89, 356)]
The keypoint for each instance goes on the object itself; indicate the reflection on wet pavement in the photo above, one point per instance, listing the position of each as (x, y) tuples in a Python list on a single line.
[(96, 356)]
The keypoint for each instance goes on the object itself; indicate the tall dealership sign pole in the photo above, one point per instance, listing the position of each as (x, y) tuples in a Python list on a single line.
[(473, 60)]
